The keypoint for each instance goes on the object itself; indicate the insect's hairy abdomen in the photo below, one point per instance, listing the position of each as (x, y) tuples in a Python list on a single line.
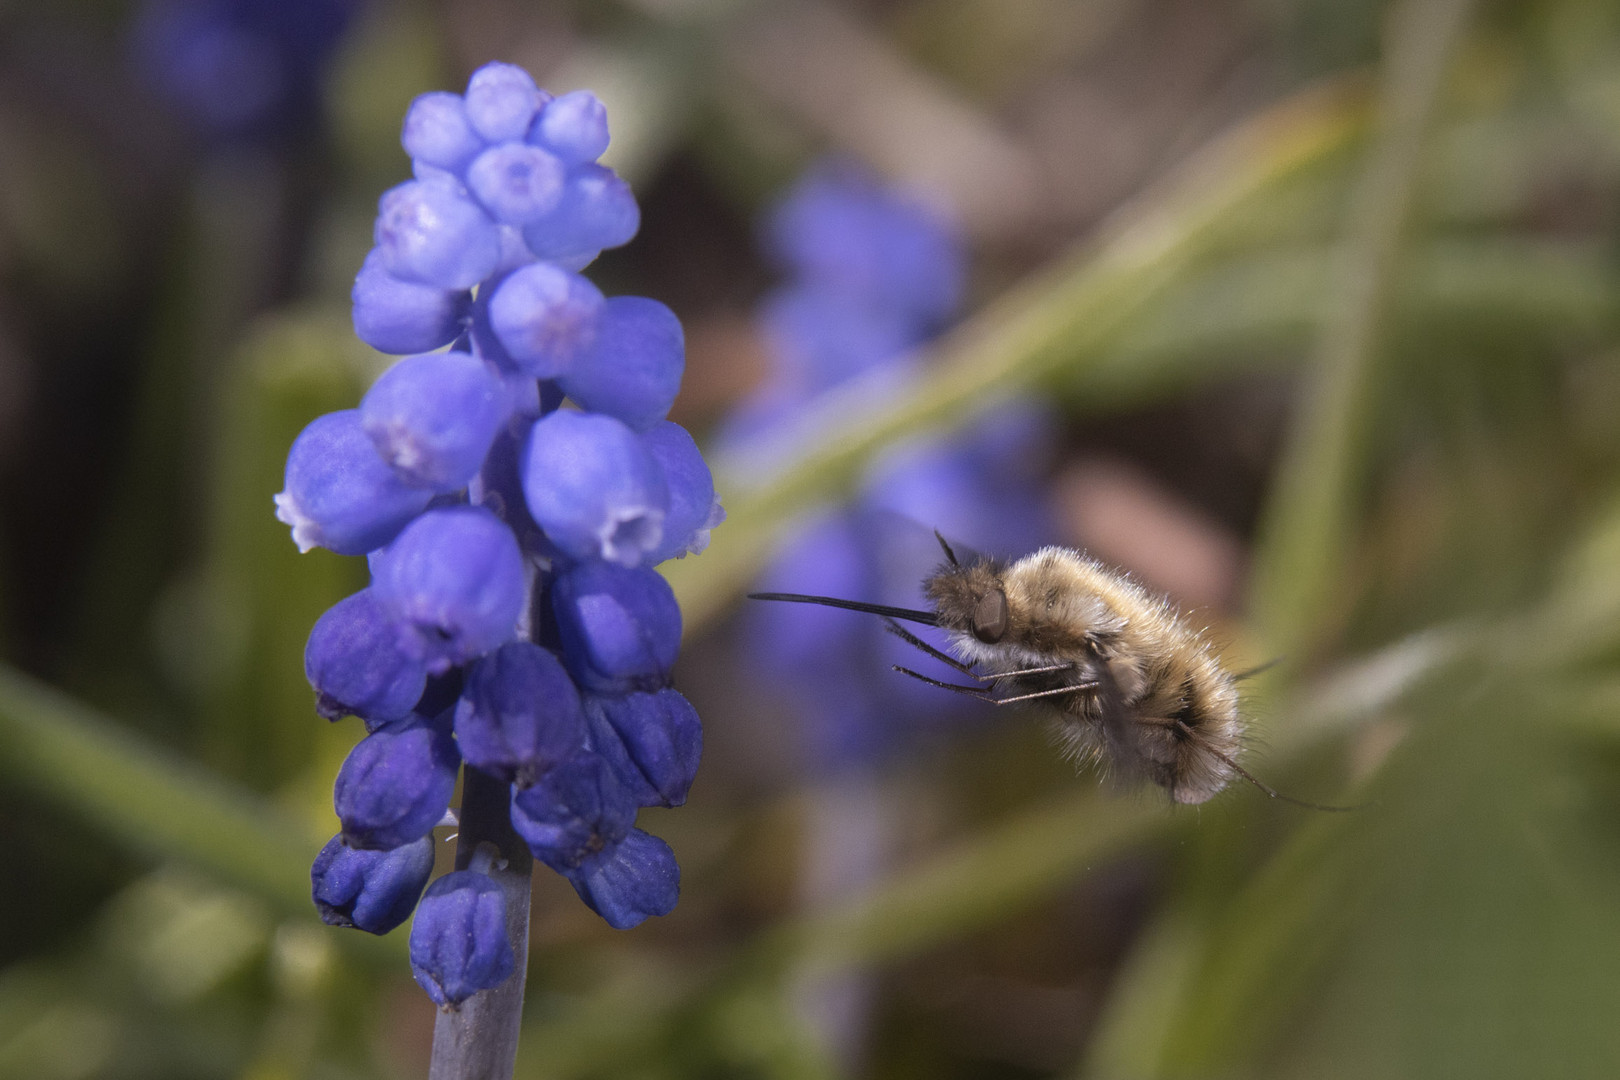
[(1175, 702)]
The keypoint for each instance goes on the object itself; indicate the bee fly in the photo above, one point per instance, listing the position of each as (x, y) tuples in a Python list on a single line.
[(1130, 685)]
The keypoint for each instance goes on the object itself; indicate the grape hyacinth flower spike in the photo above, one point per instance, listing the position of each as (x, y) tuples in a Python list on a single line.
[(514, 629)]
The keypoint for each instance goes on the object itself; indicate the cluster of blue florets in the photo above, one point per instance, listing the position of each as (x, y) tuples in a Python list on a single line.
[(870, 275), (514, 621)]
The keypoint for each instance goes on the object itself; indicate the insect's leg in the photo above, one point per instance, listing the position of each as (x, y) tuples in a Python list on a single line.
[(1195, 736), (978, 692), (1039, 671), (1085, 687), (943, 657), (1249, 673)]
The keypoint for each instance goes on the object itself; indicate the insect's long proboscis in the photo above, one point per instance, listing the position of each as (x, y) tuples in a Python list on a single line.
[(927, 618)]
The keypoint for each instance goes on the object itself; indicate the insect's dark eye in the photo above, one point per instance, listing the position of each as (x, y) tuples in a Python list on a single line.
[(990, 617)]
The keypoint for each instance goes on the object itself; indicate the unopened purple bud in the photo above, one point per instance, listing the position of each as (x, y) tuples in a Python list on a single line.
[(438, 133), (432, 417), (354, 662), (594, 488), (373, 891), (661, 738), (339, 494), (573, 126), (459, 943), (396, 784), (578, 807), (501, 101), (694, 508), (632, 369), (597, 211), (620, 626), (433, 234), (516, 182), (630, 882), (395, 316), (519, 713), (454, 580), (545, 318)]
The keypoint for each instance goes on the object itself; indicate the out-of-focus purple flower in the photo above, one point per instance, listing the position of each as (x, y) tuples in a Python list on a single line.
[(817, 340), (842, 230), (872, 276), (241, 67)]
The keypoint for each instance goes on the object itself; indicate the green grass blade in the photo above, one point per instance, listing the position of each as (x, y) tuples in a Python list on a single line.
[(1055, 325), (1307, 535), (154, 802)]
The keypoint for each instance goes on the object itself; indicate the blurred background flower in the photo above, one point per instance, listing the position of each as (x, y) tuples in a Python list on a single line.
[(1304, 312)]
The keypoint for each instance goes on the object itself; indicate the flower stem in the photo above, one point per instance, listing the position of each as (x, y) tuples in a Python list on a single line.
[(479, 1040)]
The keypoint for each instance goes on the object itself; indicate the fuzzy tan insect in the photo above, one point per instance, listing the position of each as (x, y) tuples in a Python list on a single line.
[(1128, 683)]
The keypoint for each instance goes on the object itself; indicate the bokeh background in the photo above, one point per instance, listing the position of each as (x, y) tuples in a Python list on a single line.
[(1304, 311)]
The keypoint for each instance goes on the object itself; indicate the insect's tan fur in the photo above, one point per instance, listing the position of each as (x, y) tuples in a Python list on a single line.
[(1163, 705)]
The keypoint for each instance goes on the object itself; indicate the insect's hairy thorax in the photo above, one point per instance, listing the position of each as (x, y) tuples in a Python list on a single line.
[(1062, 608)]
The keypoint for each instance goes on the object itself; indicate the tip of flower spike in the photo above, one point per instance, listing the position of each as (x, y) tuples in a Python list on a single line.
[(574, 126)]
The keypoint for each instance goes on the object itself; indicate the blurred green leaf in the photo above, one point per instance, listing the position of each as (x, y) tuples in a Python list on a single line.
[(156, 803), (1054, 326), (1309, 524), (1459, 925), (233, 629)]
